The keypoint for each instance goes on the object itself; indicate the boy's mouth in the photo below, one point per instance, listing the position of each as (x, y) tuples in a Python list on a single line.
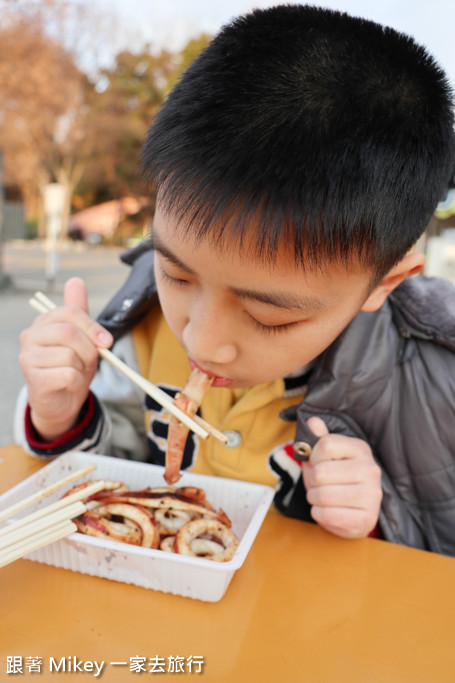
[(217, 380)]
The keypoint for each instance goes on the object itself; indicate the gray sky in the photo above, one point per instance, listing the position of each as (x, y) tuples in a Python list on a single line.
[(172, 22)]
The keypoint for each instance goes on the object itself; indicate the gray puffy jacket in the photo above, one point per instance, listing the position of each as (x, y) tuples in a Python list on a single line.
[(389, 379)]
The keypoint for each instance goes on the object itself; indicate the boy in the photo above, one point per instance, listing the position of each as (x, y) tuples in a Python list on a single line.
[(296, 164)]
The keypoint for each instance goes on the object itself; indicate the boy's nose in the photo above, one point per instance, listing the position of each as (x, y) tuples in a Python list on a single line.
[(208, 344)]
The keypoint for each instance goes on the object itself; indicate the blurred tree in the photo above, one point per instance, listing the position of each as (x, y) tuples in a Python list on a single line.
[(65, 119), (132, 91), (44, 107)]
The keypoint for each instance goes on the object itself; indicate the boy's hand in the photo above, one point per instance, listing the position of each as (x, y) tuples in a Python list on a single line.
[(343, 483), (58, 356)]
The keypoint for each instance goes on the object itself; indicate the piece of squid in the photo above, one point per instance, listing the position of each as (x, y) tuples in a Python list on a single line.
[(188, 400), (211, 530), (109, 485), (170, 521), (91, 524), (98, 522), (166, 501), (167, 544), (200, 546)]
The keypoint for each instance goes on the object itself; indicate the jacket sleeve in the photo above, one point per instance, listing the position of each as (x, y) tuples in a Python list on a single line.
[(396, 521), (123, 402)]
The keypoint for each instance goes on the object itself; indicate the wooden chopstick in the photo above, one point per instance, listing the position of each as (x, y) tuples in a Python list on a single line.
[(203, 429), (61, 503), (44, 493), (47, 524), (40, 304), (39, 540), (28, 530)]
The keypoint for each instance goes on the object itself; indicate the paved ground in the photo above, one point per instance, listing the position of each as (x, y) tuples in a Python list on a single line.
[(24, 264)]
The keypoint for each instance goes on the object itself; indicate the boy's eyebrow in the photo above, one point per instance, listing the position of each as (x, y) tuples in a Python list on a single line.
[(169, 255), (287, 300)]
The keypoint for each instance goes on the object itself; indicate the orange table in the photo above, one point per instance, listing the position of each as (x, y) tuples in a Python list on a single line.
[(305, 606)]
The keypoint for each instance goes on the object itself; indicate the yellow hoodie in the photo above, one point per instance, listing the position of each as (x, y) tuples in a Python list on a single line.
[(252, 414)]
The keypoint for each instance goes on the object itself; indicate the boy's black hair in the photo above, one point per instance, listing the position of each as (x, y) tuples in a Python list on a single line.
[(330, 132)]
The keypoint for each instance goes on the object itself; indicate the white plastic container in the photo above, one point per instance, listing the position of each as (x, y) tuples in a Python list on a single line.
[(246, 504)]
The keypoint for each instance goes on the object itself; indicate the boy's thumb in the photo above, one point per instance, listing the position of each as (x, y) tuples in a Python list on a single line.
[(317, 426), (75, 294)]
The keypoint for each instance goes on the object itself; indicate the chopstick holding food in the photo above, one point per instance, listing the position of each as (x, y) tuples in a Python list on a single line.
[(43, 304), (189, 400)]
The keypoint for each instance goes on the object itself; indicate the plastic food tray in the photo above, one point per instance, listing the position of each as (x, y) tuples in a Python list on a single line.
[(246, 504)]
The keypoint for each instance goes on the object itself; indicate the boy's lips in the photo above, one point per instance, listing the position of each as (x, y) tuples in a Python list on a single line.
[(217, 380)]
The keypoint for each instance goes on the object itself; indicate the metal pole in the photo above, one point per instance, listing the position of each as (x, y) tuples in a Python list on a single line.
[(54, 200)]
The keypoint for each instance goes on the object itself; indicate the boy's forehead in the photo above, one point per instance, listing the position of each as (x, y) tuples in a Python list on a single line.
[(240, 257), (225, 243), (244, 244)]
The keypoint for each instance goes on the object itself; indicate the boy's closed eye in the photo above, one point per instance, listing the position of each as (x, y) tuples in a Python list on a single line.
[(262, 327), (274, 329), (171, 279)]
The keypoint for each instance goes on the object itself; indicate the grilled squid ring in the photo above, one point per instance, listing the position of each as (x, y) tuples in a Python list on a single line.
[(170, 521), (189, 536), (91, 524), (195, 493), (98, 522), (200, 546), (204, 546), (167, 544)]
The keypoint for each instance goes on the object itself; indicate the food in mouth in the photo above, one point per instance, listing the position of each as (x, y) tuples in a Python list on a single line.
[(188, 400), (174, 519)]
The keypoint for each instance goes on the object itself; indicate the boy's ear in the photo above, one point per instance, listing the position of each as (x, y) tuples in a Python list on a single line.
[(409, 265)]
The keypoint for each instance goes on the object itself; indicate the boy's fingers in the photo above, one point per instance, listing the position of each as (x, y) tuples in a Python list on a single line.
[(339, 447), (310, 432), (75, 294), (317, 425)]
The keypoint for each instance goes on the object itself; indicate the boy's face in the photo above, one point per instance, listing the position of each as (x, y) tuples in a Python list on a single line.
[(242, 320)]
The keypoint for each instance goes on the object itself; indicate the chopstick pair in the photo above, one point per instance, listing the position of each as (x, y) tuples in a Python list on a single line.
[(47, 524), (41, 303)]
